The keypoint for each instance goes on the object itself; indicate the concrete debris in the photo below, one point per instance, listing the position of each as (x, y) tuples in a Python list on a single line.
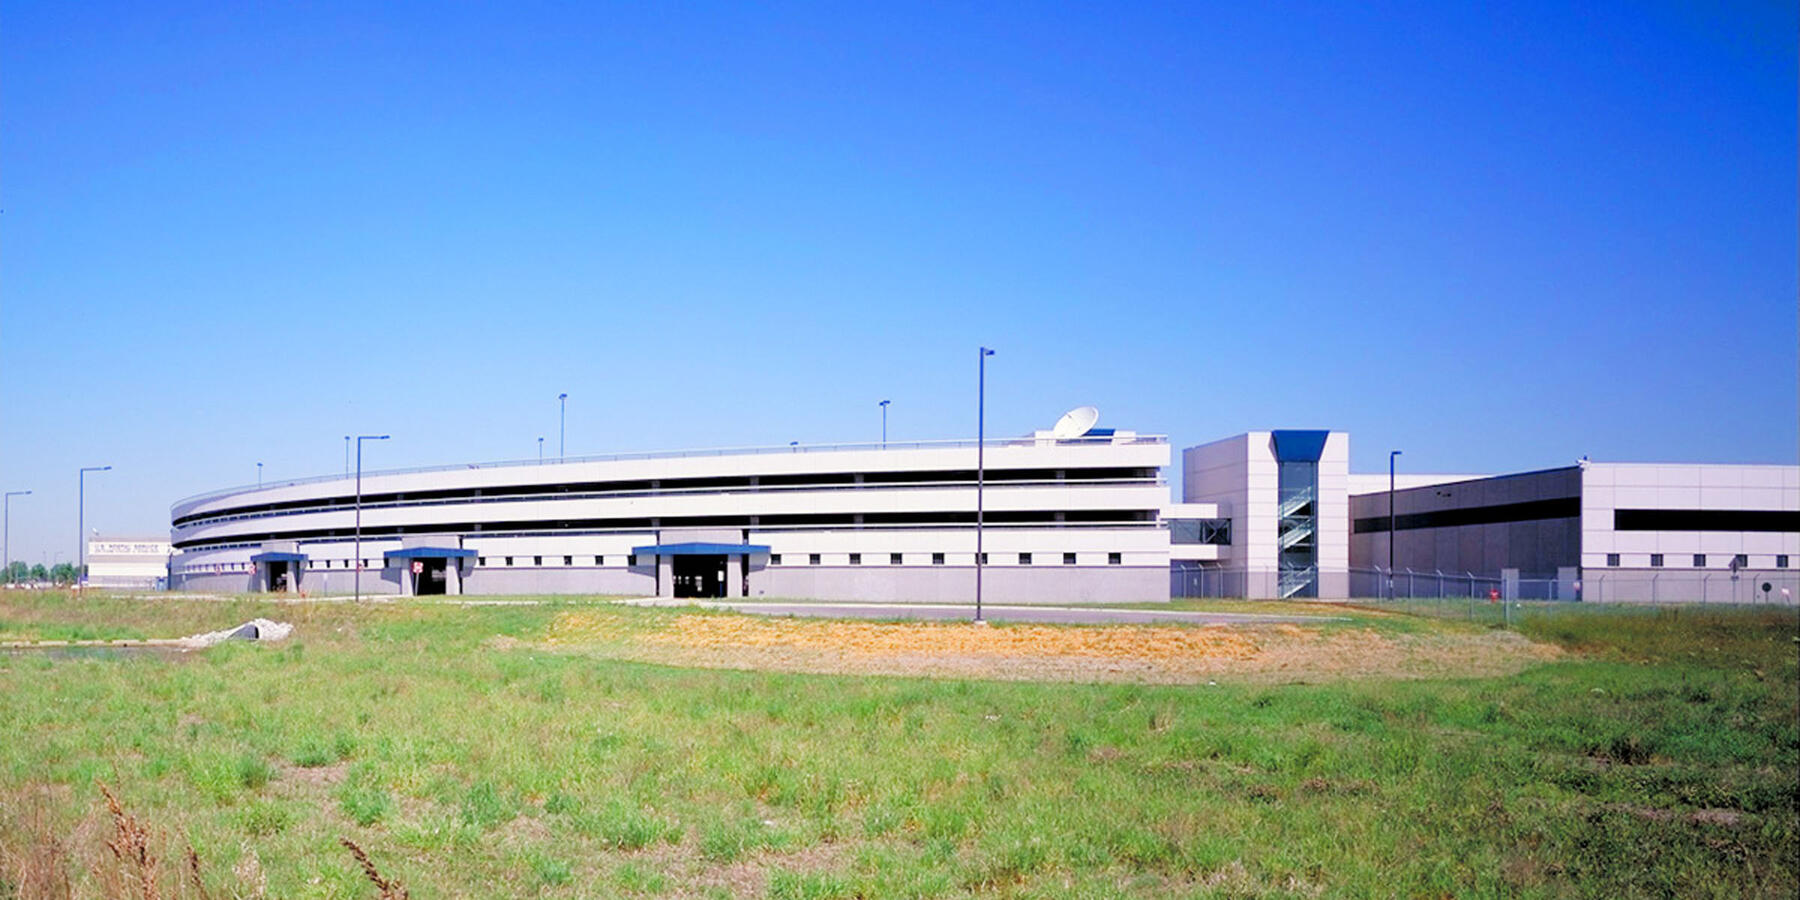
[(253, 630)]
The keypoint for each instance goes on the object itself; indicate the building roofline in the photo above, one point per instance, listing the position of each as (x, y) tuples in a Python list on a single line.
[(948, 444)]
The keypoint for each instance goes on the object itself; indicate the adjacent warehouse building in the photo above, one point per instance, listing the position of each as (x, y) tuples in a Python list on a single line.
[(120, 563), (1600, 531), (1068, 517)]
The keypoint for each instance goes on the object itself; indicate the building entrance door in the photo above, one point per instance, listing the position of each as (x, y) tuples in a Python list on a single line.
[(430, 579), (278, 576), (700, 577)]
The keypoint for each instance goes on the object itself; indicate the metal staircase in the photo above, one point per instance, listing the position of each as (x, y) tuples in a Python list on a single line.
[(1293, 581), (1294, 532), (1293, 503)]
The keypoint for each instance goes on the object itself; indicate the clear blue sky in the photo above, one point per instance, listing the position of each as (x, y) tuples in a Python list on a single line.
[(1500, 238)]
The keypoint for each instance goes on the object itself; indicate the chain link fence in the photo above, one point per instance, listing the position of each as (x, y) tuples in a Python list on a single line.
[(1499, 600)]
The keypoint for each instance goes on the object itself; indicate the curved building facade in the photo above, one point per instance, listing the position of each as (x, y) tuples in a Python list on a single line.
[(1065, 520)]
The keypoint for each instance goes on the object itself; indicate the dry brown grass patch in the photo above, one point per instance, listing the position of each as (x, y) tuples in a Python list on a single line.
[(1144, 653)]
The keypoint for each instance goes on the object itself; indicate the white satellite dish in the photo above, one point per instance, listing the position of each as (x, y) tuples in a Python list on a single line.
[(1075, 423)]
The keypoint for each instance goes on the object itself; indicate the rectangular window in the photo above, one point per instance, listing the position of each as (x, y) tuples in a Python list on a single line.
[(937, 559), (1024, 559), (774, 559), (1781, 561), (1068, 559), (1741, 561), (984, 559), (537, 560), (1699, 560), (568, 560), (812, 559), (856, 559), (631, 559), (1612, 559), (894, 559), (509, 560), (1114, 559), (480, 561), (1656, 560), (599, 560)]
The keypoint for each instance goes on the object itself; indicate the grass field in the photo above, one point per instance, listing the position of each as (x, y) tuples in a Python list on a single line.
[(555, 750)]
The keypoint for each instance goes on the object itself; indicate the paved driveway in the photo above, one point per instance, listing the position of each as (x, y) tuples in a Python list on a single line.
[(1087, 615)]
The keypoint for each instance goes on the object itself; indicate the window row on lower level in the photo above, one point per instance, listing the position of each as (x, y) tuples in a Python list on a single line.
[(1702, 560), (630, 560)]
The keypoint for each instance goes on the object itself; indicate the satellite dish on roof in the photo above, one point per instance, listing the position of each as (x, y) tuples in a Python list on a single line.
[(1075, 423)]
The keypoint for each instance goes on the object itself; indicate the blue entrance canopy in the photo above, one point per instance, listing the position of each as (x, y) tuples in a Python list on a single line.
[(698, 548), (428, 553), (278, 557)]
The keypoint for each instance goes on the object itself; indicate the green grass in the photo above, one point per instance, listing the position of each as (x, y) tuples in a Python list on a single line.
[(1659, 760)]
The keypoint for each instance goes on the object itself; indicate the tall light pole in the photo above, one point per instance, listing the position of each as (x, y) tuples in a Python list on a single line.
[(6, 533), (81, 522), (980, 464), (562, 426), (357, 578), (346, 454), (259, 474), (540, 451), (884, 406), (1392, 455)]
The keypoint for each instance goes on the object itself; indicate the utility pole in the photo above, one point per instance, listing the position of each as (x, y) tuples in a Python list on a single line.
[(81, 522), (562, 427), (980, 465), (357, 577), (884, 406), (1392, 455)]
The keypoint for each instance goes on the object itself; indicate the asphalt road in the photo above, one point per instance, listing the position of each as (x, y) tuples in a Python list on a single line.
[(1064, 615)]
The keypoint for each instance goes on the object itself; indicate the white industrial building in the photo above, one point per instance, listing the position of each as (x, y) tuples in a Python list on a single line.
[(1071, 515), (1600, 531), (122, 563), (1075, 517)]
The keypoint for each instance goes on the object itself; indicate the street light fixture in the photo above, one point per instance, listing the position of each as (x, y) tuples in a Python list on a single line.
[(6, 533), (562, 423), (346, 455), (980, 465), (259, 475), (357, 578), (884, 406), (1392, 455), (81, 522), (540, 451)]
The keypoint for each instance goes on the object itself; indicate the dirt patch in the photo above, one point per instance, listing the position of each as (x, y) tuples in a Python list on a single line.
[(1175, 654), (312, 777)]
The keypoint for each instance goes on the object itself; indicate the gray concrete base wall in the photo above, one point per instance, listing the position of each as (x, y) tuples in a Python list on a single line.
[(639, 582), (313, 582), (1688, 586), (1009, 585), (896, 584)]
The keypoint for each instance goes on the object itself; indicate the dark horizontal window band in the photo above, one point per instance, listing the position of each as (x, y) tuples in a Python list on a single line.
[(740, 482), (1527, 511), (800, 520), (1706, 520)]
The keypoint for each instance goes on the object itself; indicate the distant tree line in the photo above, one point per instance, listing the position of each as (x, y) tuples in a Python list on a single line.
[(61, 573)]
